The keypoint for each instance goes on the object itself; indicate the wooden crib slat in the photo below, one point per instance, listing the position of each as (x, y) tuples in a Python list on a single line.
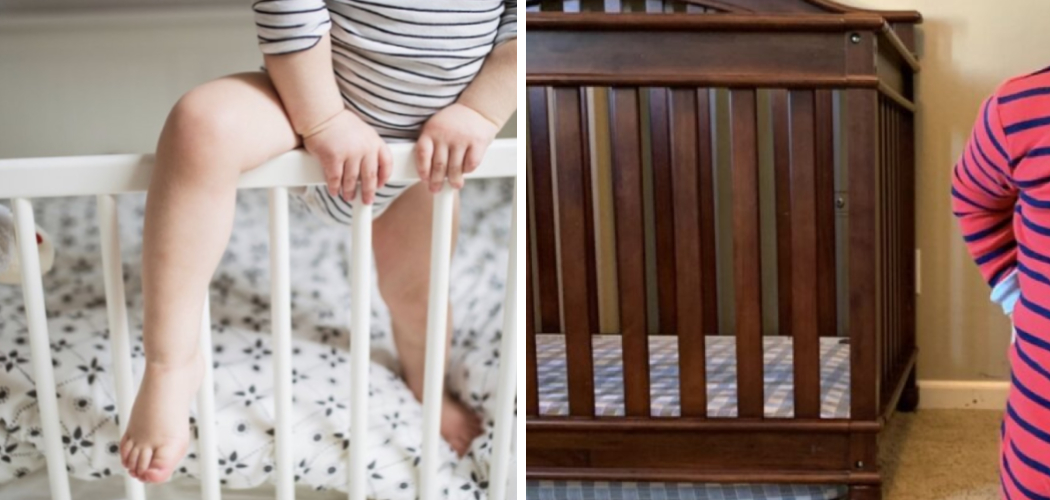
[(899, 292), (894, 239), (804, 261), (543, 211), (747, 258), (663, 207), (572, 207), (827, 308), (706, 200), (782, 180), (532, 398), (907, 194), (691, 350), (630, 246)]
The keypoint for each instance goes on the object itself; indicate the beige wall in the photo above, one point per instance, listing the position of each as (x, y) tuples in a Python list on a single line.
[(967, 47)]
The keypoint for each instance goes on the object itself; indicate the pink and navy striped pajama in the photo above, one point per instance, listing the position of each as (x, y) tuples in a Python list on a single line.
[(1001, 196)]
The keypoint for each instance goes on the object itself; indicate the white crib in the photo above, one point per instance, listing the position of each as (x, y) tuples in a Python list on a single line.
[(21, 180)]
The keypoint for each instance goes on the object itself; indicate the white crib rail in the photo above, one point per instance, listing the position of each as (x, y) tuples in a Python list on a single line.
[(105, 176)]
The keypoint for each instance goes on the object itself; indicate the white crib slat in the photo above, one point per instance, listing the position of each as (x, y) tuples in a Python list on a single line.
[(207, 444), (40, 347), (506, 387), (119, 333), (437, 336), (360, 347), (281, 320)]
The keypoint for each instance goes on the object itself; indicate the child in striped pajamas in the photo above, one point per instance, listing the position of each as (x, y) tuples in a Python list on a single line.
[(343, 79), (1001, 196)]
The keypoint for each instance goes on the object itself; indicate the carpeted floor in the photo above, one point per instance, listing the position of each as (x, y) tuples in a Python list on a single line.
[(942, 455)]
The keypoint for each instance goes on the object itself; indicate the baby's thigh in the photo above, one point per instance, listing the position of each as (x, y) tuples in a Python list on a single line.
[(234, 120)]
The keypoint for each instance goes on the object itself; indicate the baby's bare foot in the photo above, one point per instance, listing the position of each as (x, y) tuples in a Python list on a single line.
[(158, 432), (459, 425)]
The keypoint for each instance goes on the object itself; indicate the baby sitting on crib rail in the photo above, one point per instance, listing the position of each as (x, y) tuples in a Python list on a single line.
[(344, 78)]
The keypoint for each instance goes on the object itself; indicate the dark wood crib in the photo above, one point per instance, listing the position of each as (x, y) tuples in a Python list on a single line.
[(756, 161)]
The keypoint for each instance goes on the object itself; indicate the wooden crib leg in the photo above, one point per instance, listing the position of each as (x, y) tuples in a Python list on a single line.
[(909, 401), (865, 492)]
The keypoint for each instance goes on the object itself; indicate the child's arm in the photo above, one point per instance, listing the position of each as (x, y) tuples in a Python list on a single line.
[(293, 36), (454, 140), (984, 196)]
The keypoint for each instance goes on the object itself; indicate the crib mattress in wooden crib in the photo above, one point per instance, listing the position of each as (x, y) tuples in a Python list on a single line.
[(721, 376)]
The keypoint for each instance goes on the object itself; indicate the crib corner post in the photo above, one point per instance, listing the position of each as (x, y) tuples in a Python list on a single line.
[(40, 347), (865, 259)]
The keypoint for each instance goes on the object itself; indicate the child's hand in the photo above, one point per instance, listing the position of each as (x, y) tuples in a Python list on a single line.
[(351, 150), (452, 143)]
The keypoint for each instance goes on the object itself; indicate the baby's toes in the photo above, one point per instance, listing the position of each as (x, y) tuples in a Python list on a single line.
[(132, 461), (156, 475), (163, 465), (126, 446), (145, 456)]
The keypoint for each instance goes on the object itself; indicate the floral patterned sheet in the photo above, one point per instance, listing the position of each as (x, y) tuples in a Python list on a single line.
[(244, 380)]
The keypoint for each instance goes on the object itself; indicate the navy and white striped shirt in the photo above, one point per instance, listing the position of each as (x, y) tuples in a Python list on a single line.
[(397, 62)]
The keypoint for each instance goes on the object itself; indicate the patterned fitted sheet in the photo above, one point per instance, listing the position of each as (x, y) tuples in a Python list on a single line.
[(721, 376)]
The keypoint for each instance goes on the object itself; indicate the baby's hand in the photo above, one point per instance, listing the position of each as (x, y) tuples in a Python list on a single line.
[(351, 150), (452, 143)]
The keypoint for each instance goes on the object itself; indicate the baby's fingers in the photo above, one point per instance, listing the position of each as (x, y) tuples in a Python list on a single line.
[(350, 173), (455, 166), (386, 166), (369, 165), (424, 153), (438, 167), (472, 160), (333, 174)]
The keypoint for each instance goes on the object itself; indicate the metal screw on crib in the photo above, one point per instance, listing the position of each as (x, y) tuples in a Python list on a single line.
[(855, 38)]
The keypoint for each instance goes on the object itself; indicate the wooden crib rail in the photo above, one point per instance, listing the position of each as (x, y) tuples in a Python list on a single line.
[(793, 50), (105, 176), (900, 17)]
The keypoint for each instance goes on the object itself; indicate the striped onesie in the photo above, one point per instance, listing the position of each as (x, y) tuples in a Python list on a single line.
[(1001, 196), (397, 62)]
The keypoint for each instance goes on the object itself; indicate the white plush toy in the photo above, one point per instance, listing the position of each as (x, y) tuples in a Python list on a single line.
[(10, 268)]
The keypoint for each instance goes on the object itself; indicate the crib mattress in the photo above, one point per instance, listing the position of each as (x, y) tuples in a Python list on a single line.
[(242, 353), (721, 376)]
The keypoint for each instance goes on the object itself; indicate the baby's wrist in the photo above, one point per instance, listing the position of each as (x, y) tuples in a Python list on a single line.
[(480, 111), (320, 125)]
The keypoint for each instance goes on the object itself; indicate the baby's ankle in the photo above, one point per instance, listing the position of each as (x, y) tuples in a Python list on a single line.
[(172, 365)]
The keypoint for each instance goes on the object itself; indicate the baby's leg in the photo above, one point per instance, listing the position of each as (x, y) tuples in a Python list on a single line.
[(401, 240), (215, 132)]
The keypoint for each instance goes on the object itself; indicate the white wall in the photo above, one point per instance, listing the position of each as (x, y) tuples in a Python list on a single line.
[(77, 83)]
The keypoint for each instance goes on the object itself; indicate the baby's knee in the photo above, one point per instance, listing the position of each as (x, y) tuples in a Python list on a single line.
[(200, 127)]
